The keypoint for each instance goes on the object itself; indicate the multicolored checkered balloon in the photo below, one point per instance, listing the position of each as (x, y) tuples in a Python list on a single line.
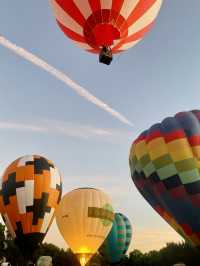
[(29, 194), (117, 242), (165, 167)]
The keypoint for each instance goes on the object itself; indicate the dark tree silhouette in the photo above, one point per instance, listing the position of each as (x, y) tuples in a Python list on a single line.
[(168, 256)]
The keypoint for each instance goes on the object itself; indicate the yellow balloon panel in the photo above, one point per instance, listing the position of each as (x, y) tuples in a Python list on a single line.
[(84, 218)]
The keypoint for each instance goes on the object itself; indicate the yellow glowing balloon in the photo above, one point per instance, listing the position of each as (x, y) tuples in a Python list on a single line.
[(84, 218)]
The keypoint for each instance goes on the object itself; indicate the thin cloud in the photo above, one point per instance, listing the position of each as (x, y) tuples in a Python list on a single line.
[(80, 131), (64, 78), (22, 127), (65, 129)]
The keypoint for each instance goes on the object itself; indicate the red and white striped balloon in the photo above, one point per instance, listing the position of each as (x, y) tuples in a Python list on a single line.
[(119, 24)]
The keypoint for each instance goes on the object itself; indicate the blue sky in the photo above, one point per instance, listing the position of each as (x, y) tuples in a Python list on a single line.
[(41, 115)]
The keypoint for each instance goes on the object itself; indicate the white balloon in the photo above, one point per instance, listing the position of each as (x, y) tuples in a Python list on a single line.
[(84, 218)]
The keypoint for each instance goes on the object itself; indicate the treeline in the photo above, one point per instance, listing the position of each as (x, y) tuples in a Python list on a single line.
[(167, 256)]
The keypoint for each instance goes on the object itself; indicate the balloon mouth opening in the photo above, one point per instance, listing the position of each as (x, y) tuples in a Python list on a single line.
[(105, 28), (83, 258), (105, 34)]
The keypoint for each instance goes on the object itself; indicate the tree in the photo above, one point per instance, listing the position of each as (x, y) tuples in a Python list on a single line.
[(60, 257), (169, 255), (2, 240)]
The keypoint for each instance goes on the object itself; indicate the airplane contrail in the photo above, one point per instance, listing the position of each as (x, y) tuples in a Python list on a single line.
[(62, 77)]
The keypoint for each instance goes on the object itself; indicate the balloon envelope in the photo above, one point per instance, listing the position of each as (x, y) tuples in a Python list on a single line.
[(29, 195), (119, 24), (84, 218), (118, 240), (164, 163)]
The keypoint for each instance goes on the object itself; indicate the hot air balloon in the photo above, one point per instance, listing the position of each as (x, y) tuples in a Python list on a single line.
[(164, 163), (118, 240), (29, 195), (84, 218), (105, 26)]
